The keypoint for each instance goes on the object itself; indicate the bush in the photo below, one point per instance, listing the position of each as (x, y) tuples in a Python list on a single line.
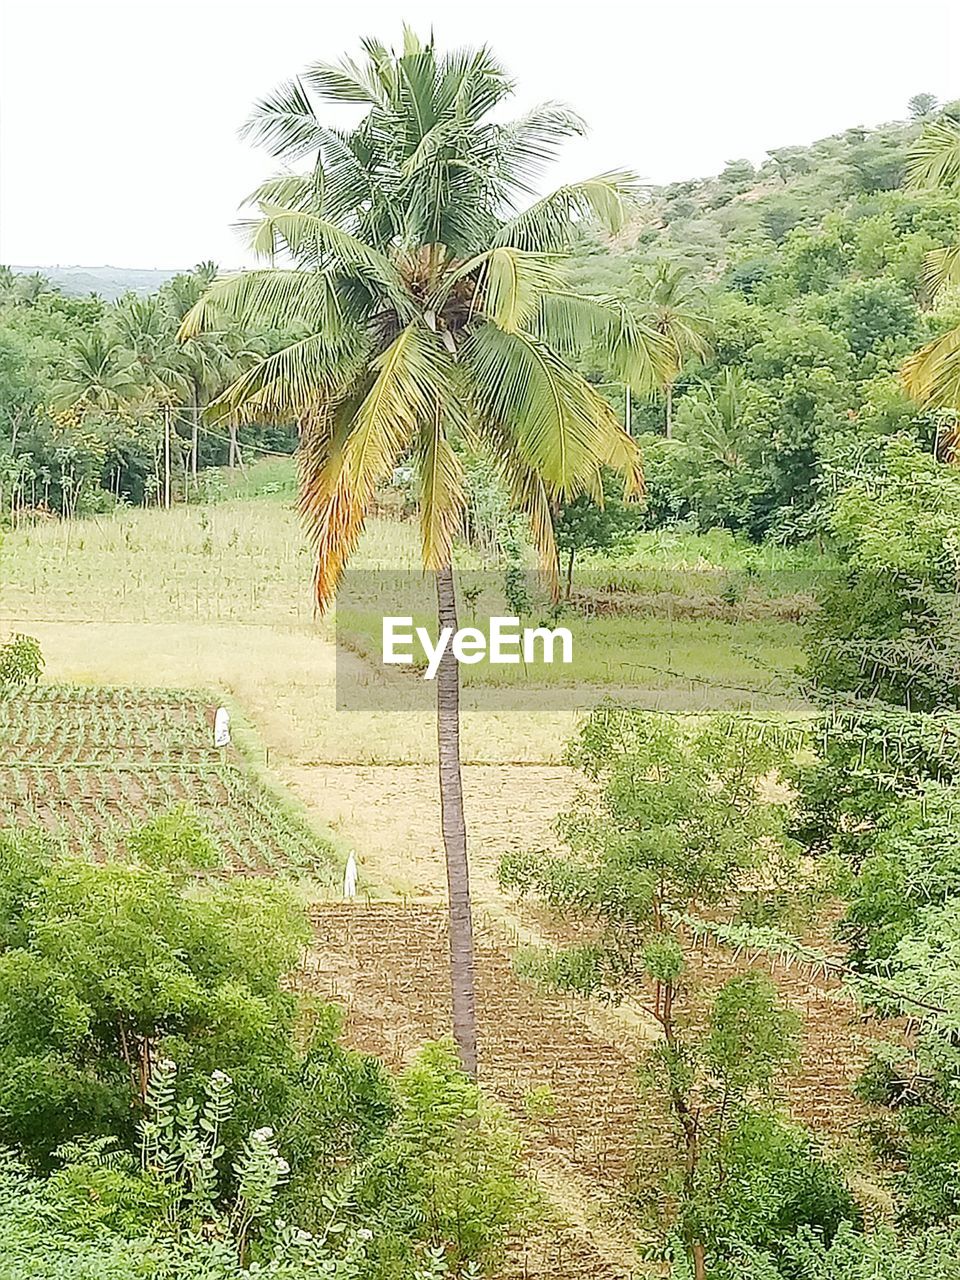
[(21, 663)]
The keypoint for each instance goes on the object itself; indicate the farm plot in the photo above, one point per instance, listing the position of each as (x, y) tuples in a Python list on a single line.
[(85, 765), (592, 1129)]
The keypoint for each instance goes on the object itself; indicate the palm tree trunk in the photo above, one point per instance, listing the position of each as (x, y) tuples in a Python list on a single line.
[(669, 422), (455, 835), (195, 436), (569, 586)]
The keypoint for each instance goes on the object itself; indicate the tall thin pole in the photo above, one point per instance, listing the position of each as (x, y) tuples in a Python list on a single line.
[(166, 457)]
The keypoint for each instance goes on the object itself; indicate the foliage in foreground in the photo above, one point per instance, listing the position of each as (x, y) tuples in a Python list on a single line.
[(850, 1255), (673, 824), (137, 998), (883, 796)]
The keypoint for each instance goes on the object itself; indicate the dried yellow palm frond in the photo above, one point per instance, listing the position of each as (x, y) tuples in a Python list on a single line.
[(932, 374)]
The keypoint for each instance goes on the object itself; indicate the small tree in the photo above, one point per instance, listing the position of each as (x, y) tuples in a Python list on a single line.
[(586, 525), (674, 824), (922, 105), (21, 664)]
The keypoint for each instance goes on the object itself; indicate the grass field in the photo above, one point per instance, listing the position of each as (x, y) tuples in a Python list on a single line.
[(217, 597)]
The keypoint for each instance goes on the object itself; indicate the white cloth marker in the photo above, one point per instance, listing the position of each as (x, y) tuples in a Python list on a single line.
[(350, 878)]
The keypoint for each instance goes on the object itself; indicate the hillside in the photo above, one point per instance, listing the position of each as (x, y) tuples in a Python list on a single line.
[(714, 222), (109, 282)]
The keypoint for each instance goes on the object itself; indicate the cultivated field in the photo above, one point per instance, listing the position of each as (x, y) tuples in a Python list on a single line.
[(86, 765)]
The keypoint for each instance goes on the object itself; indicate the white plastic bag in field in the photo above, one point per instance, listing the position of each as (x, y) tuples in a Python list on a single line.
[(221, 728), (350, 878)]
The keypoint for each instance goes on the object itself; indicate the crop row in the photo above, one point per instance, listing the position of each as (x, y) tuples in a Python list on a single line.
[(80, 727), (92, 810)]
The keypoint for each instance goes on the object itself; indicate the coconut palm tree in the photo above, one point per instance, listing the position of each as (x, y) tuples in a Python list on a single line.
[(709, 419), (205, 361), (672, 307), (96, 373), (143, 327), (932, 374), (429, 307)]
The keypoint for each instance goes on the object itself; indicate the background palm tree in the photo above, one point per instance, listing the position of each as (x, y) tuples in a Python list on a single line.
[(932, 374), (430, 310), (709, 419), (97, 373), (205, 360), (672, 307)]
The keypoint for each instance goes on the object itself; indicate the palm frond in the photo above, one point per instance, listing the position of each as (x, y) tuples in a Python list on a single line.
[(561, 424), (410, 379), (932, 374), (441, 491), (623, 455), (527, 144), (512, 283), (285, 122), (288, 190), (942, 268), (332, 512), (346, 82), (316, 242), (934, 159), (528, 494), (551, 223), (295, 381), (572, 323), (269, 299)]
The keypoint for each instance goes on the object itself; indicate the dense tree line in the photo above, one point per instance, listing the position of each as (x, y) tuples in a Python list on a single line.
[(791, 337), (99, 403)]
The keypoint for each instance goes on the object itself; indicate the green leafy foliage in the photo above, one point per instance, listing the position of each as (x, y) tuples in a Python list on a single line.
[(672, 823), (883, 794), (587, 525), (108, 966), (21, 664)]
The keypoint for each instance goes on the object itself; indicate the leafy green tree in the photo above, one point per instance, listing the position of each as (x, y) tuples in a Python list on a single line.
[(446, 1171), (21, 664), (430, 307), (874, 316), (790, 161), (922, 105), (670, 825), (876, 164), (587, 525), (738, 174), (106, 968)]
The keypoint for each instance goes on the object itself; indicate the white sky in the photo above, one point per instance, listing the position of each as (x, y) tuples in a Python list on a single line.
[(118, 132)]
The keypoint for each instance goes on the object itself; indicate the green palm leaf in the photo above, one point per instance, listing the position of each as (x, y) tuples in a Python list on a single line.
[(551, 223), (935, 157), (273, 299), (932, 374), (572, 323), (560, 423)]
